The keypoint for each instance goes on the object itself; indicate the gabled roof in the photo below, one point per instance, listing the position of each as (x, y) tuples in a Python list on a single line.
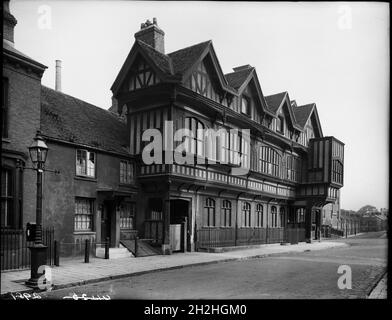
[(237, 78), (277, 101), (302, 113), (274, 101), (162, 61), (69, 119), (185, 58)]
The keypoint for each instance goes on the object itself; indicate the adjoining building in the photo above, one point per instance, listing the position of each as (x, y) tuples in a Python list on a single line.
[(106, 190)]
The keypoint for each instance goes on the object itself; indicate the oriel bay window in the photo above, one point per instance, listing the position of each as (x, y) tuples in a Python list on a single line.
[(85, 163), (209, 213), (246, 214), (126, 172), (293, 168), (84, 213), (226, 213), (269, 161), (127, 215), (195, 141), (337, 171)]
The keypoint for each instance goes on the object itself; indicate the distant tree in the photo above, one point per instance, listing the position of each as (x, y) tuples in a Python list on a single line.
[(367, 208)]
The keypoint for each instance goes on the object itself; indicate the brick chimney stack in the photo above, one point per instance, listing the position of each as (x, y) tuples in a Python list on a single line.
[(9, 23), (152, 35)]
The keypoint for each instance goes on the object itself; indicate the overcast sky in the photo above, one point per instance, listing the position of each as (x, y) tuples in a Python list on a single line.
[(333, 54)]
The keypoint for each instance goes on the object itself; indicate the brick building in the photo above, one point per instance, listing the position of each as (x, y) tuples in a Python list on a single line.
[(106, 189)]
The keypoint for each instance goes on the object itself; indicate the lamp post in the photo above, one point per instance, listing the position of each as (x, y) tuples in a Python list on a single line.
[(38, 152)]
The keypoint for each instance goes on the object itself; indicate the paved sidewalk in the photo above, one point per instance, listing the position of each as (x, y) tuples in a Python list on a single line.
[(380, 291), (75, 273)]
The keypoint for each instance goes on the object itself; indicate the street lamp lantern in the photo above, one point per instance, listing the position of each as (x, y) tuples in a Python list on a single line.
[(38, 151)]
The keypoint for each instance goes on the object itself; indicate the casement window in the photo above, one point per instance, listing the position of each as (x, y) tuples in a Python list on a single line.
[(280, 124), (126, 172), (226, 213), (127, 215), (85, 163), (84, 213), (4, 110), (246, 214), (269, 161), (7, 198), (209, 212), (245, 105), (259, 215), (293, 168), (274, 216), (195, 142), (337, 171), (282, 215)]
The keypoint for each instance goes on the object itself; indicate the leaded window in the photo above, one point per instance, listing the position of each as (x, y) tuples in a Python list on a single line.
[(84, 212), (259, 215), (85, 163), (127, 215), (126, 171)]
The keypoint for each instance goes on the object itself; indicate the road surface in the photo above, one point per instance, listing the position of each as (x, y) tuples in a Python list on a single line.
[(308, 275)]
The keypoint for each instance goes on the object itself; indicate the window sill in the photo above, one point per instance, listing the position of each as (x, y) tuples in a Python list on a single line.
[(6, 140), (85, 178), (123, 184)]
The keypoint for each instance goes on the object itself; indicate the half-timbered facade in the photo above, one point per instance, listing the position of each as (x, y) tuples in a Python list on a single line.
[(291, 169)]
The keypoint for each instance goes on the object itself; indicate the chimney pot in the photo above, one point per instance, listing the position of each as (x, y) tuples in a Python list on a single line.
[(58, 75), (152, 35)]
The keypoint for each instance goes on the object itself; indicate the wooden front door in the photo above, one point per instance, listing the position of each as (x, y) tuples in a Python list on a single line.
[(105, 222)]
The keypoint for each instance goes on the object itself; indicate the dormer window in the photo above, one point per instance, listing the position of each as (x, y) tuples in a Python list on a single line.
[(280, 124), (245, 105)]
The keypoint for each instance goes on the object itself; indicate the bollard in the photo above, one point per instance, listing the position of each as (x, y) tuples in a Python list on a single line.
[(87, 251), (56, 253), (107, 248), (136, 245)]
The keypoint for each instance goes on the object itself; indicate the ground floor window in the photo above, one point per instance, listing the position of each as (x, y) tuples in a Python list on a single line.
[(127, 215), (274, 215), (84, 212), (246, 214), (209, 211), (7, 198), (259, 215), (282, 216), (226, 213)]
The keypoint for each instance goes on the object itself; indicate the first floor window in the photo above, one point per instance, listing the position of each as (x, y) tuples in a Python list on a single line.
[(226, 213), (7, 198), (84, 211), (246, 214), (259, 215), (126, 172), (85, 163), (209, 211), (127, 215)]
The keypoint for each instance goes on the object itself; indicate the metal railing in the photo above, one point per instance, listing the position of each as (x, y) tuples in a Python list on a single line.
[(14, 248)]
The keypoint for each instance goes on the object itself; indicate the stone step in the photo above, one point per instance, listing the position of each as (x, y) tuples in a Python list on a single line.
[(114, 253)]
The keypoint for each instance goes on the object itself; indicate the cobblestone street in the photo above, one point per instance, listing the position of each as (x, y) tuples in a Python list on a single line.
[(308, 275)]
